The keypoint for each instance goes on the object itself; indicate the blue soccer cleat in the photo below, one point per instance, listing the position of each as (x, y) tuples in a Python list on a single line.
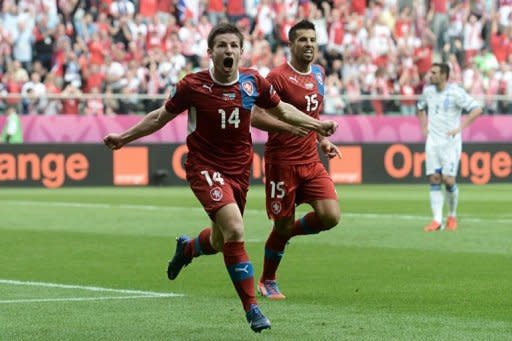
[(257, 321), (179, 260)]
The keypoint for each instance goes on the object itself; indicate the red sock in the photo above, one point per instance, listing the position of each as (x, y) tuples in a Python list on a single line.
[(309, 224), (274, 251), (200, 245), (241, 272)]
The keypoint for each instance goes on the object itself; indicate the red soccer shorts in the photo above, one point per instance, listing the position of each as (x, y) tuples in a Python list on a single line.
[(215, 190), (289, 185)]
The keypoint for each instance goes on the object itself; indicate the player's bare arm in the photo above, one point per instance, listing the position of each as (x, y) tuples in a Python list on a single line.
[(422, 116), (288, 113), (152, 122), (473, 114), (262, 120)]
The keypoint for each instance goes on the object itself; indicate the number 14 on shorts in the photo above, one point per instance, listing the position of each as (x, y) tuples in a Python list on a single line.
[(215, 177)]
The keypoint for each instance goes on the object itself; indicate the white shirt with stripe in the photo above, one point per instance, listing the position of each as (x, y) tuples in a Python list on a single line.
[(444, 109)]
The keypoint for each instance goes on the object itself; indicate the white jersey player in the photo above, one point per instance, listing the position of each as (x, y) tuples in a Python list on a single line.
[(444, 104)]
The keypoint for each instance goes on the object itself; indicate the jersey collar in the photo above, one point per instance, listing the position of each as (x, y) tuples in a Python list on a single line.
[(297, 71), (224, 84)]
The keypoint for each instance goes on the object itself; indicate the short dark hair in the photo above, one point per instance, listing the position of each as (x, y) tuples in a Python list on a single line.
[(222, 29), (443, 68), (301, 25)]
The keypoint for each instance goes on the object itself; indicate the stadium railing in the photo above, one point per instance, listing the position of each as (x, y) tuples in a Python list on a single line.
[(142, 103)]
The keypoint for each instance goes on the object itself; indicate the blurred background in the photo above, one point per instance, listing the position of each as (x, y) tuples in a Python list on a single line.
[(118, 57), (73, 70)]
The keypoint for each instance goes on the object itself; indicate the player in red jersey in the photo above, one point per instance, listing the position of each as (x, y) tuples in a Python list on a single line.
[(293, 170), (219, 103)]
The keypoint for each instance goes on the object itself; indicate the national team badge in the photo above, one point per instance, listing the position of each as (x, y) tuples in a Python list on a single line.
[(248, 88), (216, 194), (276, 207)]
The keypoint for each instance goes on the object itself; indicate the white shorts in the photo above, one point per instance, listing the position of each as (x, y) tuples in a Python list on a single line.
[(442, 158)]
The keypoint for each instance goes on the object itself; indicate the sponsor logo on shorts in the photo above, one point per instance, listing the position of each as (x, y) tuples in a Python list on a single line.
[(216, 194), (276, 207)]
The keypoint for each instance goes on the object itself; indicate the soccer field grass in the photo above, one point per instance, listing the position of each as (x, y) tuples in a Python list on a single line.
[(89, 264)]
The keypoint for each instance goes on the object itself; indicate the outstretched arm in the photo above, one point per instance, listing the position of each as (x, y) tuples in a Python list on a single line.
[(262, 120), (288, 113), (152, 122)]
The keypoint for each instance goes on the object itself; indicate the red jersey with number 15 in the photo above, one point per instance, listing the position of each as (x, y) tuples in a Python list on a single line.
[(306, 92), (219, 117)]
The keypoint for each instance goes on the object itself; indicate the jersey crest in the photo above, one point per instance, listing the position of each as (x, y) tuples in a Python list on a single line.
[(248, 88)]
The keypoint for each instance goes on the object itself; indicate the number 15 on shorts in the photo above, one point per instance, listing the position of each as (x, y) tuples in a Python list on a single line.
[(277, 189)]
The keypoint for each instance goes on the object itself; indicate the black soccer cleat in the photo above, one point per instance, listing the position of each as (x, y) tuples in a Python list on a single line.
[(179, 260), (257, 321)]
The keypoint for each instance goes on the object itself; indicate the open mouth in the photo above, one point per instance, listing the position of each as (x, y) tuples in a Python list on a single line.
[(308, 52), (228, 62)]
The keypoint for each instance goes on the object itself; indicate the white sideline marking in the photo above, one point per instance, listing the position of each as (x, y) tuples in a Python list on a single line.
[(89, 288), (252, 211), (78, 299)]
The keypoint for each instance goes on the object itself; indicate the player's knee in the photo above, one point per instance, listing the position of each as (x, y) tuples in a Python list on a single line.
[(217, 240), (449, 181), (233, 232), (435, 179), (330, 219)]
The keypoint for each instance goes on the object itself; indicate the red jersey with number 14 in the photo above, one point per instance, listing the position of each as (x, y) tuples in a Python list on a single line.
[(306, 92), (219, 117)]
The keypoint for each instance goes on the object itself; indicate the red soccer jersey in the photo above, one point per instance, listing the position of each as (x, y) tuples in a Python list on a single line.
[(220, 117), (306, 92)]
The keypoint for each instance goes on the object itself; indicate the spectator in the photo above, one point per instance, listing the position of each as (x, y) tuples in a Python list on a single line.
[(12, 132), (333, 103), (71, 102), (120, 9), (215, 11), (409, 80), (353, 92), (66, 37), (33, 95), (472, 37), (379, 88), (53, 105), (438, 14), (235, 10)]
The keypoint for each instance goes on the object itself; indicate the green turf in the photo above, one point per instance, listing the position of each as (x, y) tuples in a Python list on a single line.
[(377, 276)]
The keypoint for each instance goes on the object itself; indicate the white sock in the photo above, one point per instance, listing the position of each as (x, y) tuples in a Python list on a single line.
[(452, 198), (436, 202)]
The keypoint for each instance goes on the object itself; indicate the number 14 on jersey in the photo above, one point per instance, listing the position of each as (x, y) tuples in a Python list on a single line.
[(233, 119)]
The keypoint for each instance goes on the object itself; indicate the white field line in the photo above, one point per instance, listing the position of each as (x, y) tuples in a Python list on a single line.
[(88, 288), (78, 299), (251, 211)]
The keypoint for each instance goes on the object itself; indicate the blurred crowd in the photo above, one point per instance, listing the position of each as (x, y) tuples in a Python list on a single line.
[(371, 49)]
